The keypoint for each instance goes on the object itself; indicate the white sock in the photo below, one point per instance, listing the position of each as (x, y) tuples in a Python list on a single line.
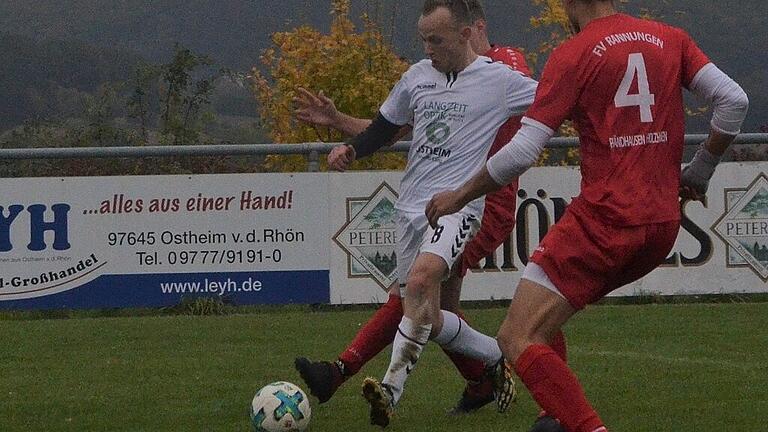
[(457, 336), (451, 325), (406, 349)]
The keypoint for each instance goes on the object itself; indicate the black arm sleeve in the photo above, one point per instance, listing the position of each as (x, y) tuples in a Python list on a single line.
[(378, 134)]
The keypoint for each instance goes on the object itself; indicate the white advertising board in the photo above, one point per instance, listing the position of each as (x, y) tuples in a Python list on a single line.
[(147, 241), (151, 240), (722, 246)]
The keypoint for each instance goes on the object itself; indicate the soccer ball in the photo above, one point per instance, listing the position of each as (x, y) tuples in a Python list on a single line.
[(280, 407)]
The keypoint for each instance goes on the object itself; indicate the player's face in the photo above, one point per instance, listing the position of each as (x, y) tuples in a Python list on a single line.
[(444, 40)]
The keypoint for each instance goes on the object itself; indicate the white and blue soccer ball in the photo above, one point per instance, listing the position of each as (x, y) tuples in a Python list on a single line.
[(280, 407)]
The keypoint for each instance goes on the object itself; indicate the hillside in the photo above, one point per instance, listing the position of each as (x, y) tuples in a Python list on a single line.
[(104, 37), (47, 77)]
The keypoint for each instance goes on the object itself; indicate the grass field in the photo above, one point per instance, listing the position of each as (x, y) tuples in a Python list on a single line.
[(691, 367)]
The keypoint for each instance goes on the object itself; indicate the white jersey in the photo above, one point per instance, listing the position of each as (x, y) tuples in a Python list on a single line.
[(455, 119)]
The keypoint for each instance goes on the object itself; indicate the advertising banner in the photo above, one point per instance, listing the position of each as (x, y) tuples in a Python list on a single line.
[(722, 246), (152, 240), (148, 241)]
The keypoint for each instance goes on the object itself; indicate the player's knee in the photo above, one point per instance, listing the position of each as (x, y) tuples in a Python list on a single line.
[(512, 341), (418, 286), (424, 279)]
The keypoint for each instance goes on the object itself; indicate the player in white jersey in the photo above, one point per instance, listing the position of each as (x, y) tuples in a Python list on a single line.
[(452, 100)]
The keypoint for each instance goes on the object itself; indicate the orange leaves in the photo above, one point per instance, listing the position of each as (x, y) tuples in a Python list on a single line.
[(551, 17), (356, 70), (552, 14)]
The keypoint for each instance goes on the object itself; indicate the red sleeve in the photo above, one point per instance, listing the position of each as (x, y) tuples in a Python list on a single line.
[(558, 92), (511, 57), (693, 59)]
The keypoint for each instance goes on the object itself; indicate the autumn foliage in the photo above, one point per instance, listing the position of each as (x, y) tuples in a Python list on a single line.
[(355, 69), (553, 18)]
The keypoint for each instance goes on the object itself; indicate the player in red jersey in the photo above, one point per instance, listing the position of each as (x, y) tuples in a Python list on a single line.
[(620, 81), (322, 377)]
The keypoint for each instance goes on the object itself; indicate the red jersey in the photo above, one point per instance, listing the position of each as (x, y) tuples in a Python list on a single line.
[(620, 80), (516, 60), (500, 206)]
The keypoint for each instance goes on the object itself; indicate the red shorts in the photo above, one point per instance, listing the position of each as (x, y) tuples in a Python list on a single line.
[(586, 259), (498, 222)]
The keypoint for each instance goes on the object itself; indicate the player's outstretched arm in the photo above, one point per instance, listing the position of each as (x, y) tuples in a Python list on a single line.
[(378, 134), (730, 105), (319, 109)]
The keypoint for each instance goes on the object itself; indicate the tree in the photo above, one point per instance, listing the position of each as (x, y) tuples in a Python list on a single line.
[(168, 103), (139, 102), (173, 97), (356, 70), (183, 97), (552, 16)]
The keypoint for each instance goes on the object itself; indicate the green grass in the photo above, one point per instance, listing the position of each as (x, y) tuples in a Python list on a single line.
[(692, 367)]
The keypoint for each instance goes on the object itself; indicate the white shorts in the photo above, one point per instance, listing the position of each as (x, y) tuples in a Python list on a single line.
[(534, 273), (415, 236)]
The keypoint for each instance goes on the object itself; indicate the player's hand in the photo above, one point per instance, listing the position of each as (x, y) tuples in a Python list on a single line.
[(689, 194), (443, 203), (341, 157), (694, 180), (315, 109), (693, 185)]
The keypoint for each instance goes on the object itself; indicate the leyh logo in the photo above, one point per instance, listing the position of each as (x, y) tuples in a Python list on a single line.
[(369, 236), (38, 225), (744, 227)]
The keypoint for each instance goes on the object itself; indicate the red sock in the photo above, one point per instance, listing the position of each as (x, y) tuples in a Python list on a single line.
[(375, 335), (471, 369), (556, 389), (558, 346)]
